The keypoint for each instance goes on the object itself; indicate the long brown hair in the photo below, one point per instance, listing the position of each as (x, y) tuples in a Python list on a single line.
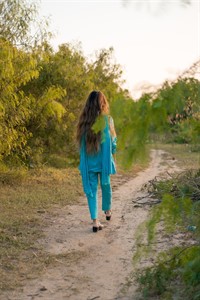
[(95, 106)]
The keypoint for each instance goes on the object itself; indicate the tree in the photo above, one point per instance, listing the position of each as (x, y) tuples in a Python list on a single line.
[(20, 25), (16, 70), (19, 66)]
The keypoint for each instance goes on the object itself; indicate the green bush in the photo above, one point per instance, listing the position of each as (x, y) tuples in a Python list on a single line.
[(175, 274)]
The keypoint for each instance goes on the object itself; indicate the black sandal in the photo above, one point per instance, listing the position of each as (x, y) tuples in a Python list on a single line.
[(108, 217), (96, 228)]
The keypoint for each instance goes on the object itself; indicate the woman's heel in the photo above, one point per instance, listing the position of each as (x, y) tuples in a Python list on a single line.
[(95, 229), (108, 217)]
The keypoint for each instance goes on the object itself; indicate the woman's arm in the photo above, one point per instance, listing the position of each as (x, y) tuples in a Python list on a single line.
[(113, 136), (112, 127)]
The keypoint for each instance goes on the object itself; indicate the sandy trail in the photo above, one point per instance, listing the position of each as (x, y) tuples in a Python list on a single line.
[(94, 265)]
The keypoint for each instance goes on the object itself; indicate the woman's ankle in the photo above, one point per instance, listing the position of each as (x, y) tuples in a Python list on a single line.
[(95, 222)]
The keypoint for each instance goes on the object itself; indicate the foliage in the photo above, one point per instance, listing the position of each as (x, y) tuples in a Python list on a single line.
[(20, 25), (176, 274), (132, 123), (17, 68), (180, 203), (179, 211), (42, 92), (19, 108), (171, 113), (105, 73), (176, 110), (64, 70)]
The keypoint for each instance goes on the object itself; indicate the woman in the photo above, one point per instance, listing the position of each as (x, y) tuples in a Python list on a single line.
[(96, 137)]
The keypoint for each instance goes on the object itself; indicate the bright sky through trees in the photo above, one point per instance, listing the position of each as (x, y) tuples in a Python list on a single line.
[(152, 42)]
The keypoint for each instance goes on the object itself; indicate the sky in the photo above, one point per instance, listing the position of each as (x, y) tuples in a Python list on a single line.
[(153, 40)]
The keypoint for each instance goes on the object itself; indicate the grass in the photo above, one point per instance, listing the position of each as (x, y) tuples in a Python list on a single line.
[(24, 201), (186, 156), (174, 276)]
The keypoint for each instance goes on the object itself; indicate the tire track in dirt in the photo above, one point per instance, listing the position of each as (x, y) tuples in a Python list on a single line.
[(94, 265)]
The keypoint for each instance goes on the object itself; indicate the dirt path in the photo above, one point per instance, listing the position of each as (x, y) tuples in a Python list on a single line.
[(95, 265)]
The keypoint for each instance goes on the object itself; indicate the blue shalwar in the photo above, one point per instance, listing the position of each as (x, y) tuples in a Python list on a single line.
[(100, 164)]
